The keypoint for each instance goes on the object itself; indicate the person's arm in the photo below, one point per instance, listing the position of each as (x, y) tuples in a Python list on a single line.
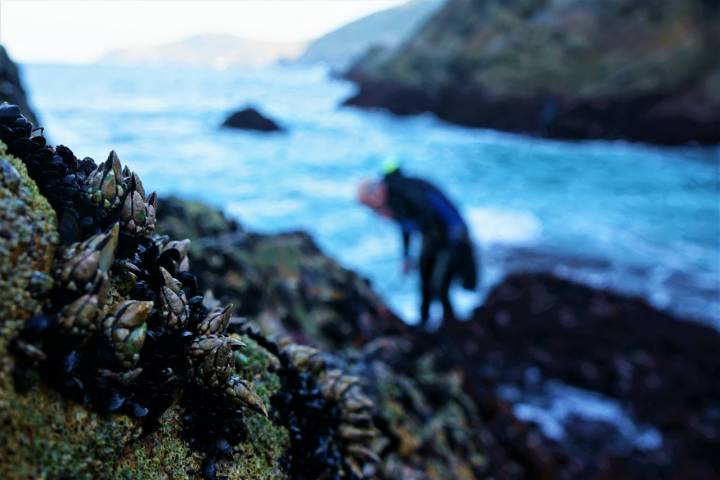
[(406, 244), (407, 228)]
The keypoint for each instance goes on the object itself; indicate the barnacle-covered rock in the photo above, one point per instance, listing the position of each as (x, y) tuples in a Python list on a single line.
[(136, 362), (351, 431)]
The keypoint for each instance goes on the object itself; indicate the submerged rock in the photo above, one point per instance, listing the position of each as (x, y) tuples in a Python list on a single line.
[(250, 119)]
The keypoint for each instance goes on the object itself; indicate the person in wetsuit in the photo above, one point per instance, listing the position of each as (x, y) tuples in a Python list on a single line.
[(419, 207)]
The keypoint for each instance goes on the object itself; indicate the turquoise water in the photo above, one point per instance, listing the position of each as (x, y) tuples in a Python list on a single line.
[(633, 218)]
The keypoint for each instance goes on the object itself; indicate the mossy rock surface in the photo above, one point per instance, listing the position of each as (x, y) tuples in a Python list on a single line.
[(42, 434)]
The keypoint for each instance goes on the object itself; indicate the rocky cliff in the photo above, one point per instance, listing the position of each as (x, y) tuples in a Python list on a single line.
[(386, 28), (11, 86), (645, 71)]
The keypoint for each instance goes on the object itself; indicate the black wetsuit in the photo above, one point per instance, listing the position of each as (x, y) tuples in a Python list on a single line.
[(447, 252)]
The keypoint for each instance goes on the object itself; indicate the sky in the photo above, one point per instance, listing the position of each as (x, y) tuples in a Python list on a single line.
[(81, 31)]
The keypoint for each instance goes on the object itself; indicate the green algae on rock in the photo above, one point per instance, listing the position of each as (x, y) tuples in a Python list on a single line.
[(28, 243)]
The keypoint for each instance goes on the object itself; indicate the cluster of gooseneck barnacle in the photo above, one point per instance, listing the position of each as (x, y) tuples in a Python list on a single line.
[(124, 326), (87, 198), (354, 429), (329, 417)]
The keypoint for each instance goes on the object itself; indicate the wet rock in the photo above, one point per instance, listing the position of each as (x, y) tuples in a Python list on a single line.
[(622, 347), (250, 119)]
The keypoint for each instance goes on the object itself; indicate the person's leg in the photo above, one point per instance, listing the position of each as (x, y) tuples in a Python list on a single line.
[(427, 264), (447, 268)]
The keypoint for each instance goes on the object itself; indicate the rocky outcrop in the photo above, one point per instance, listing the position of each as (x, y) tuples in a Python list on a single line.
[(535, 328), (250, 119), (625, 69), (283, 281), (11, 86), (113, 364), (532, 331)]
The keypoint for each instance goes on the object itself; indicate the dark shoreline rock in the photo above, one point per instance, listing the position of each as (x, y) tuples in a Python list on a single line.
[(250, 119), (657, 365), (660, 118), (635, 70), (11, 87)]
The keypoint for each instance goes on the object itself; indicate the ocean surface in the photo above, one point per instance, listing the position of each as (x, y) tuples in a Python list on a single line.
[(637, 219)]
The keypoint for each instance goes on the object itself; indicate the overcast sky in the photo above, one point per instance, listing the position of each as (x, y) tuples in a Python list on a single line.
[(82, 30)]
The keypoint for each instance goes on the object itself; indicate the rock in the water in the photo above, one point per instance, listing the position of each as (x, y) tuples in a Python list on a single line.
[(630, 69), (251, 119)]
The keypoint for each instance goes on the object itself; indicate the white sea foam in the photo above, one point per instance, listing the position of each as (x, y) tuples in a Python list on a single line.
[(559, 402), (491, 225)]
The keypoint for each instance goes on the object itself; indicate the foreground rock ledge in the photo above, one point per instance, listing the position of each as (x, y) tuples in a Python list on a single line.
[(132, 395)]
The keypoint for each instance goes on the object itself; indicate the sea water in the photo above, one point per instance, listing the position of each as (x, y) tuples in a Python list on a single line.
[(638, 219)]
